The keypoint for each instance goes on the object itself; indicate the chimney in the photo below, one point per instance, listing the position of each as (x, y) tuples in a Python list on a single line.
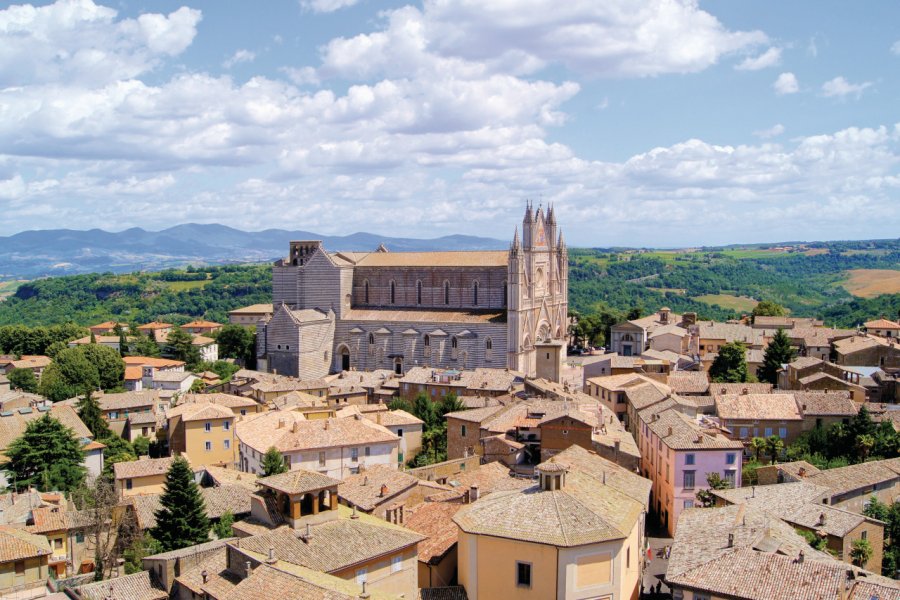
[(802, 472), (365, 480), (473, 492), (822, 519), (378, 418), (670, 430), (326, 424), (248, 568), (753, 491), (271, 560), (364, 594), (281, 423), (604, 477), (204, 575), (731, 540), (384, 490), (353, 514), (308, 535), (617, 445), (295, 427), (801, 557)]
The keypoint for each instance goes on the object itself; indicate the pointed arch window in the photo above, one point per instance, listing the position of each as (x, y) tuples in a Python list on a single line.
[(488, 349), (447, 293), (426, 345), (505, 293), (475, 294), (393, 292), (454, 348), (418, 292), (366, 291)]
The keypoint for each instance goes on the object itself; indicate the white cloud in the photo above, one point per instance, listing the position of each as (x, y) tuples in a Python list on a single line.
[(771, 132), (895, 47), (841, 88), (301, 76), (240, 56), (786, 84), (769, 58), (326, 6), (79, 41)]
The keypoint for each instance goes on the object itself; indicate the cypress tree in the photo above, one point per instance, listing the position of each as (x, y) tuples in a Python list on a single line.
[(777, 353), (92, 415), (181, 521)]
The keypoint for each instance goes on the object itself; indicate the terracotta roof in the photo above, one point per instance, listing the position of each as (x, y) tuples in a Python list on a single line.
[(223, 476), (456, 592), (435, 259), (145, 467), (151, 361), (133, 373), (881, 324), (680, 432), (434, 520), (490, 478), (764, 407), (155, 325), (219, 580), (297, 482), (12, 426), (125, 400), (853, 477), (615, 476), (172, 376), (334, 545), (138, 586), (202, 340), (48, 518), (253, 309), (720, 389), (202, 323), (393, 418), (815, 403), (264, 431), (28, 362), (424, 316), (226, 498), (730, 332), (298, 399), (199, 411), (583, 512), (363, 490), (271, 582), (16, 544), (689, 382), (858, 343)]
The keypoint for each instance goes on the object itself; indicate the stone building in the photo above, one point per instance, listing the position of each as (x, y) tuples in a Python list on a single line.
[(339, 311)]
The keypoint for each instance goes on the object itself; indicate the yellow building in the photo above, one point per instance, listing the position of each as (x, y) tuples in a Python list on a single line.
[(145, 476), (23, 560), (239, 405), (203, 432), (575, 535)]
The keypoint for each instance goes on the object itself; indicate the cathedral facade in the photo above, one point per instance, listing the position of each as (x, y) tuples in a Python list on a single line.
[(345, 311)]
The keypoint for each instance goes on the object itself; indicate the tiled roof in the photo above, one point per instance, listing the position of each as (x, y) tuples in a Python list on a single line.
[(363, 490), (155, 325), (881, 324), (334, 545), (202, 340), (145, 467), (468, 258), (456, 592), (272, 582), (253, 309), (804, 362), (424, 316), (199, 411), (858, 343), (492, 477), (730, 332), (297, 399), (138, 586), (48, 518), (151, 361), (172, 376), (223, 476), (689, 382), (435, 521), (219, 580), (133, 372), (583, 512), (125, 400), (28, 362), (765, 407), (264, 431), (12, 426), (823, 403), (721, 389), (145, 418), (297, 482), (853, 477), (874, 590), (393, 418), (793, 468), (615, 476), (16, 544), (226, 498), (680, 432), (192, 550), (475, 415), (202, 324)]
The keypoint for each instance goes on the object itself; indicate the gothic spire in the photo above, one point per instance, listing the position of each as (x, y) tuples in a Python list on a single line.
[(551, 218), (528, 217), (562, 243), (515, 242)]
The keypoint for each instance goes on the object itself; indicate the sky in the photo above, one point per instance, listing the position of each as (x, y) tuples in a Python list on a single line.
[(657, 123)]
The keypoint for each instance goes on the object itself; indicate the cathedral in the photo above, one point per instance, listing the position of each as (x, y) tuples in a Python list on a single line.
[(341, 311)]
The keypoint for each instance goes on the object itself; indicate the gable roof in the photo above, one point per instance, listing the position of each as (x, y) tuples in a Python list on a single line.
[(435, 521), (363, 490), (145, 467), (17, 544), (769, 407), (137, 586), (297, 482)]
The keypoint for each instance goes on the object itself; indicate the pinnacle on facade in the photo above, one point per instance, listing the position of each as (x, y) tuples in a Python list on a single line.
[(562, 243), (551, 218), (515, 242), (528, 217)]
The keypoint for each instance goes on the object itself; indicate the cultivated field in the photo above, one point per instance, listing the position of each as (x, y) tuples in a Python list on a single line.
[(868, 283), (738, 303)]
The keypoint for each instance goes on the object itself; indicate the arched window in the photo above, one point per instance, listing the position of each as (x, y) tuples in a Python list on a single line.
[(453, 342), (447, 293), (427, 340), (505, 293), (371, 344), (488, 344), (475, 294), (366, 291), (488, 349), (393, 292), (418, 292), (426, 345), (454, 348)]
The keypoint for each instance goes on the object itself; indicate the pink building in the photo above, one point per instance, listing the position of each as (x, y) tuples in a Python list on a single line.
[(678, 453)]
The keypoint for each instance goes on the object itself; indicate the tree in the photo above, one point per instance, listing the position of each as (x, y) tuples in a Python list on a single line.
[(635, 313), (815, 540), (236, 341), (109, 363), (108, 535), (141, 547), (92, 415), (758, 445), (181, 520), (876, 509), (730, 365), (93, 338), (767, 308), (141, 445), (774, 446), (123, 342), (861, 552), (117, 450), (55, 348), (47, 456), (222, 528), (777, 353), (23, 379), (198, 386), (180, 345), (77, 371), (450, 403), (424, 408), (53, 385), (273, 462), (714, 482), (145, 345)]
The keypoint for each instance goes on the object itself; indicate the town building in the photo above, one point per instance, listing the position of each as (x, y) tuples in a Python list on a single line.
[(439, 383), (395, 310), (34, 363), (201, 327), (203, 432), (748, 416), (631, 338), (249, 316), (24, 559), (883, 327), (142, 476)]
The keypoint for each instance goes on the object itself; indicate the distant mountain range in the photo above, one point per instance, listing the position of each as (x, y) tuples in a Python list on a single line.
[(32, 254)]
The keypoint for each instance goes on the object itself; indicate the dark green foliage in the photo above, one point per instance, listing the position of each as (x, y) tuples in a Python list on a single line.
[(23, 379), (222, 527), (777, 353), (238, 342), (135, 553), (224, 369), (181, 521), (55, 348), (767, 308), (179, 345), (860, 440), (54, 386), (816, 541), (19, 339), (90, 413), (273, 463), (75, 371), (714, 482), (730, 366), (434, 429), (109, 363), (79, 373), (144, 345), (47, 455), (141, 446), (117, 450)]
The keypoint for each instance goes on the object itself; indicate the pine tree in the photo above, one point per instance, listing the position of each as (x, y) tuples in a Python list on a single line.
[(181, 521), (777, 353), (91, 414), (273, 462), (730, 365), (47, 455), (123, 343)]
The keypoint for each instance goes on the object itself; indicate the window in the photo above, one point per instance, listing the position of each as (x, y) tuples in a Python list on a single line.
[(505, 293), (454, 343), (393, 292), (688, 459), (782, 432), (208, 446), (730, 477), (20, 567), (400, 433), (243, 412), (463, 430), (628, 558), (768, 432), (321, 459), (366, 291), (523, 574), (418, 292), (368, 451), (128, 484), (730, 458), (689, 504), (396, 563), (227, 444), (354, 454), (475, 294), (488, 349), (226, 425), (113, 415), (361, 576), (688, 480), (207, 427), (79, 537), (447, 292), (865, 535)]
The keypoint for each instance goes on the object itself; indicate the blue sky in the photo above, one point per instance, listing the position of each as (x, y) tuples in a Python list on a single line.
[(646, 123)]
